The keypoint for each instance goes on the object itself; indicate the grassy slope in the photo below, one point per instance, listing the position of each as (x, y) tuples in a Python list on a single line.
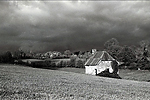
[(138, 75), (30, 83)]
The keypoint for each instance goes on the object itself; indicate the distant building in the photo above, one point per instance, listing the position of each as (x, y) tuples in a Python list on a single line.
[(52, 54), (98, 63), (94, 51)]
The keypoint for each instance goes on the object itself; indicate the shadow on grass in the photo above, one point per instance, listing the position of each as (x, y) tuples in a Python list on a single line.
[(110, 75)]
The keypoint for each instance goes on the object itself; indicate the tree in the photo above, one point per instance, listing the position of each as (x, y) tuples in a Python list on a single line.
[(144, 45), (62, 64), (19, 54), (112, 47), (80, 64), (67, 53), (142, 55), (6, 57), (114, 51), (127, 55), (108, 44), (142, 51), (77, 53), (72, 61)]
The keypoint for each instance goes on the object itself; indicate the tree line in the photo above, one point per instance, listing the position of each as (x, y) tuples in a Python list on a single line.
[(6, 57), (134, 57)]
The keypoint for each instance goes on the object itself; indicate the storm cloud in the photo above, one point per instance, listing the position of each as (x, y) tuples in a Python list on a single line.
[(59, 25)]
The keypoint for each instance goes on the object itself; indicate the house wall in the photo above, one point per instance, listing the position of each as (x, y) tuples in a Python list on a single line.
[(103, 65), (90, 70)]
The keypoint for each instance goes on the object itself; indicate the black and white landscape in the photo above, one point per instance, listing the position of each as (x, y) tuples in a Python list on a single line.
[(48, 49)]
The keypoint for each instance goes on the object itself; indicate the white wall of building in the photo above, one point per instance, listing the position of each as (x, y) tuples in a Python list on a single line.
[(103, 65)]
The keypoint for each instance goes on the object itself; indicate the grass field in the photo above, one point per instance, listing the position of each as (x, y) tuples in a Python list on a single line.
[(25, 83), (137, 75)]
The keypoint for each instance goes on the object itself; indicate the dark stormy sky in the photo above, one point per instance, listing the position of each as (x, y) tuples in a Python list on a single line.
[(59, 25)]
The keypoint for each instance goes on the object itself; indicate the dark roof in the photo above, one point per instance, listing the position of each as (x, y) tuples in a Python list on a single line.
[(98, 56)]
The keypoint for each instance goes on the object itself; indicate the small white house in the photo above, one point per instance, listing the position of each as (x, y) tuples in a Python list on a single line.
[(99, 62)]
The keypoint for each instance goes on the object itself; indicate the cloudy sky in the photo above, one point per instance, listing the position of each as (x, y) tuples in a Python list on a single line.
[(47, 25)]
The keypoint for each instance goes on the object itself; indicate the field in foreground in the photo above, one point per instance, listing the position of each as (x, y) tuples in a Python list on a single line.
[(17, 82)]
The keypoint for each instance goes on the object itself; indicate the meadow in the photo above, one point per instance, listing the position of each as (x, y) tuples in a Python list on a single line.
[(137, 75), (26, 83)]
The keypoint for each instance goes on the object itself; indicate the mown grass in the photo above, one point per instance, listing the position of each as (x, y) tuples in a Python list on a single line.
[(17, 82)]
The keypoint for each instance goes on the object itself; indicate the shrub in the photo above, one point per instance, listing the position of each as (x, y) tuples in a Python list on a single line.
[(79, 64), (132, 66), (62, 64), (6, 57), (72, 62)]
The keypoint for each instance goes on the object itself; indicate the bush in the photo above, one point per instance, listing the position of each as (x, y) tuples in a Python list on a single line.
[(72, 62), (146, 66), (143, 64), (132, 66), (79, 64), (6, 57), (62, 64)]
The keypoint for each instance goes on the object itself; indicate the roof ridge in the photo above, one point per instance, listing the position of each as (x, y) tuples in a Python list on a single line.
[(99, 56)]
